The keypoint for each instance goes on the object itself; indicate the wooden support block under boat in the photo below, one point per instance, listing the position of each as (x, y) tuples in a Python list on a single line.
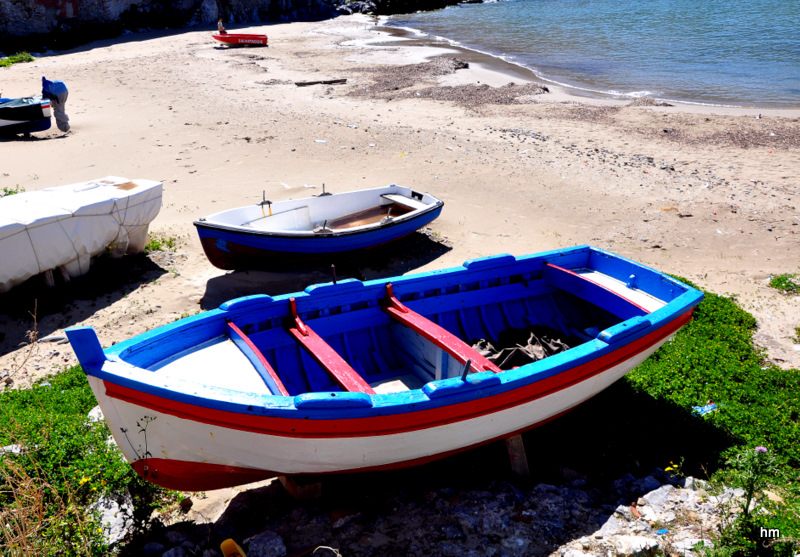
[(517, 456), (302, 488)]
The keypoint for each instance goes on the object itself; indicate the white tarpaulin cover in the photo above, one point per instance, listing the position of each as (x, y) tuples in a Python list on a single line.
[(66, 226)]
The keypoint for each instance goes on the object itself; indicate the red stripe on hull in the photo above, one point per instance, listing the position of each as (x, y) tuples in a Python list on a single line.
[(394, 423), (184, 475)]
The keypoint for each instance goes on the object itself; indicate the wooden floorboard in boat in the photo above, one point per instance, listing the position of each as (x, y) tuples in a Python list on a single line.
[(368, 216)]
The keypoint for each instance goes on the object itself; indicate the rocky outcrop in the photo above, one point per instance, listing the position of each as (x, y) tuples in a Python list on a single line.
[(27, 24), (57, 24), (391, 7)]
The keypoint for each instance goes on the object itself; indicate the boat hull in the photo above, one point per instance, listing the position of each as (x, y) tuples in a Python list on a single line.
[(24, 115), (232, 250), (204, 457), (242, 39)]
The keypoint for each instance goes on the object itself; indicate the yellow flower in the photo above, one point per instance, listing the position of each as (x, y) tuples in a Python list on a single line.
[(84, 480)]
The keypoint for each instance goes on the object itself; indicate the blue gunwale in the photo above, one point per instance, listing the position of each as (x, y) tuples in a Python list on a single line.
[(119, 368)]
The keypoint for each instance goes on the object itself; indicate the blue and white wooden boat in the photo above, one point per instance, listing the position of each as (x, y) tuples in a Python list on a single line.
[(24, 115), (270, 235), (374, 375)]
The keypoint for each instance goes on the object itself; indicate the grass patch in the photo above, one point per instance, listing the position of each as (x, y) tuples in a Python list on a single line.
[(63, 463), (11, 191), (16, 59), (786, 283), (161, 243), (713, 359)]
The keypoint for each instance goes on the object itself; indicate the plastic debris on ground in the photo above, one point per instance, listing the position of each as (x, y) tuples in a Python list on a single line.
[(703, 410)]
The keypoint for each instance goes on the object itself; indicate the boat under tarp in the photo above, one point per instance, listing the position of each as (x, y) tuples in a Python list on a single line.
[(63, 227)]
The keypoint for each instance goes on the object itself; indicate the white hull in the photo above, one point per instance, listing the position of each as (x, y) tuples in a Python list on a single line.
[(174, 438)]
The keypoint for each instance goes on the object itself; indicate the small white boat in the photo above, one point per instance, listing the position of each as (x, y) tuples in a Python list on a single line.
[(275, 235)]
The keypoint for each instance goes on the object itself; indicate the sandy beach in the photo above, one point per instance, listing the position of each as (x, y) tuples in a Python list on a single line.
[(708, 194)]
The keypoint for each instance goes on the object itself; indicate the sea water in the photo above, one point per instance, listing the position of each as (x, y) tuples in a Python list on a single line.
[(712, 52)]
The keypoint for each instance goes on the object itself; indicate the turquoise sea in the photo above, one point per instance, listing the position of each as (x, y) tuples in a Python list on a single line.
[(712, 52)]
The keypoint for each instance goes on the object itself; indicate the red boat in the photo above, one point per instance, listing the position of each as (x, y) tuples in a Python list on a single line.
[(241, 38)]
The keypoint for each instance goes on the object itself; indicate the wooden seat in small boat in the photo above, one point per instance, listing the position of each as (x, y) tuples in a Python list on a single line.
[(413, 204)]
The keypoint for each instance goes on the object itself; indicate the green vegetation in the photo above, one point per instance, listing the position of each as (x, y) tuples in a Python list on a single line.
[(16, 58), (64, 464), (161, 243), (713, 359), (9, 191), (786, 283)]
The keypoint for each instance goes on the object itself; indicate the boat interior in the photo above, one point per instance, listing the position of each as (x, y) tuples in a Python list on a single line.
[(327, 214), (381, 345)]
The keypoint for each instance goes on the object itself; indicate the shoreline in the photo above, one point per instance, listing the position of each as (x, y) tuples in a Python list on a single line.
[(707, 196), (494, 67), (565, 92)]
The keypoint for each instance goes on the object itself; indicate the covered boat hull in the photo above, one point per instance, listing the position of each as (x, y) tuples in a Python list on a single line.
[(24, 115), (243, 39), (64, 227), (204, 436), (231, 246)]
